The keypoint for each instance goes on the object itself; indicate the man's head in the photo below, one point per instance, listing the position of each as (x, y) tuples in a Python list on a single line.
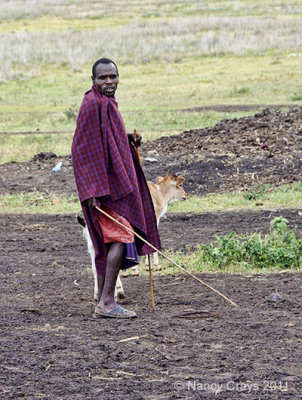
[(105, 76)]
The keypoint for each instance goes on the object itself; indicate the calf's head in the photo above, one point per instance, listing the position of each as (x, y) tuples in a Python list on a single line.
[(172, 185)]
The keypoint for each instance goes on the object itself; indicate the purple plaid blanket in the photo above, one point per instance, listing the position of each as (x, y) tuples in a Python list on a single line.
[(106, 165)]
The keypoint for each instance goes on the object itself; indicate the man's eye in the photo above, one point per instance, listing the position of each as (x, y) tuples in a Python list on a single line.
[(104, 77)]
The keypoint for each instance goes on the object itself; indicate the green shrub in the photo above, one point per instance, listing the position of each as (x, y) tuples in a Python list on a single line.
[(296, 97), (297, 187), (258, 191), (280, 248), (71, 113)]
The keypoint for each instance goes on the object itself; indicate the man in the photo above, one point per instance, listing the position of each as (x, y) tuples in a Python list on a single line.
[(108, 174)]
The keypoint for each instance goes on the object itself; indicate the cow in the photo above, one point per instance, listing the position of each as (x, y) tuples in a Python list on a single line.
[(166, 190)]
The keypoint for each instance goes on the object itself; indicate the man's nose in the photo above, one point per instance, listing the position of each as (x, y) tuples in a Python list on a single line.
[(108, 79)]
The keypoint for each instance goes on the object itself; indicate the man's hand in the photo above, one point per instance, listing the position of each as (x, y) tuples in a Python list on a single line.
[(92, 202), (135, 139)]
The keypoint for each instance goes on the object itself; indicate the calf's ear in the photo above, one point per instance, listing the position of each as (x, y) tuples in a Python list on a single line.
[(159, 179), (180, 180), (81, 221)]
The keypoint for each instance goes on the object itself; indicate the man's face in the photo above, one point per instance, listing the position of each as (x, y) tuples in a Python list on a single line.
[(106, 79)]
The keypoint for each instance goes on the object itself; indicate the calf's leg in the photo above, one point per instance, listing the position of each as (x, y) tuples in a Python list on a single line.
[(119, 290), (156, 263)]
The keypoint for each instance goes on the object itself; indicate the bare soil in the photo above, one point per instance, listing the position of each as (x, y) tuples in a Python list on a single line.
[(51, 348), (233, 155)]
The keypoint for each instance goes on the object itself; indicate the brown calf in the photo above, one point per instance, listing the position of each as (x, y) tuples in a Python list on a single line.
[(163, 192)]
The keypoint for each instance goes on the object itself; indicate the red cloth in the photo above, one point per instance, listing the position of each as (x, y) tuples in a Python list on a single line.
[(106, 166), (113, 232)]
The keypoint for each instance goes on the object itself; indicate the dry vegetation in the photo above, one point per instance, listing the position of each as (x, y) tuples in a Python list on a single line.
[(155, 43), (18, 9), (156, 35), (144, 42)]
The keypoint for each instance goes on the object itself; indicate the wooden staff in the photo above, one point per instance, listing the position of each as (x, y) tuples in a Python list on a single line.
[(137, 150), (168, 258), (149, 258)]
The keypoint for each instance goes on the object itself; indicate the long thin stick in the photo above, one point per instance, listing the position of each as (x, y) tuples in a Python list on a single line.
[(168, 258), (137, 150), (149, 259), (151, 282)]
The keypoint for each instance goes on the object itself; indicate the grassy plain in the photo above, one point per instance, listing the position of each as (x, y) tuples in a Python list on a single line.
[(172, 55), (275, 198), (115, 11), (38, 203), (152, 98)]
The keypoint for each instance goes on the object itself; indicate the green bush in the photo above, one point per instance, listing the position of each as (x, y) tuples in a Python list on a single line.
[(280, 248), (296, 97), (71, 113), (258, 191)]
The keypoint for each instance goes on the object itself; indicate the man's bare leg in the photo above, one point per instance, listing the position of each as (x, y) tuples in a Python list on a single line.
[(101, 279), (107, 283)]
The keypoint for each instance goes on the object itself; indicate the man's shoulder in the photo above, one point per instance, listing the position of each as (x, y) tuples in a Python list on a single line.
[(90, 95), (90, 99)]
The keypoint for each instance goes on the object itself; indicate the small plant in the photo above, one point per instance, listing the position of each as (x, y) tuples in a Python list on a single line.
[(296, 97), (279, 225), (297, 187), (71, 114), (240, 91), (280, 248), (258, 191)]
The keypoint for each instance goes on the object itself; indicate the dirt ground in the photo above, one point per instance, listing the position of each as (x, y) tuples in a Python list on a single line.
[(232, 155), (52, 349)]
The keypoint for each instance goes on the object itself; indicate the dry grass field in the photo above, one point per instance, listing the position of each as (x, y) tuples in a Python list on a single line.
[(172, 55)]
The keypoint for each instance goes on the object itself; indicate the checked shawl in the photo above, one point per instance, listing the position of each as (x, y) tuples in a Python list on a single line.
[(106, 165)]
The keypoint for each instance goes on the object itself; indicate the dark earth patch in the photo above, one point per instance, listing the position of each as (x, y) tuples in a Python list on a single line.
[(237, 107), (232, 155)]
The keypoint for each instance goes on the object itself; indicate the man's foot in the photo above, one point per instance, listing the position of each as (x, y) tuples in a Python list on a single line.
[(117, 312)]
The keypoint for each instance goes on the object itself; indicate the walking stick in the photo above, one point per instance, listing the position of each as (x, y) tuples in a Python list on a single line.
[(149, 258), (168, 258)]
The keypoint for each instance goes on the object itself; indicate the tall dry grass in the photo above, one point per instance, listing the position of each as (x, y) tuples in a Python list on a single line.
[(17, 9), (141, 42), (22, 9)]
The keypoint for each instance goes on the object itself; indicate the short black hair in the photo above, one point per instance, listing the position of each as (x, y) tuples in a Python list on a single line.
[(103, 61)]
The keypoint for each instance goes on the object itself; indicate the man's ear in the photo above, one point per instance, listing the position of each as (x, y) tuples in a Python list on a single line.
[(93, 79)]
